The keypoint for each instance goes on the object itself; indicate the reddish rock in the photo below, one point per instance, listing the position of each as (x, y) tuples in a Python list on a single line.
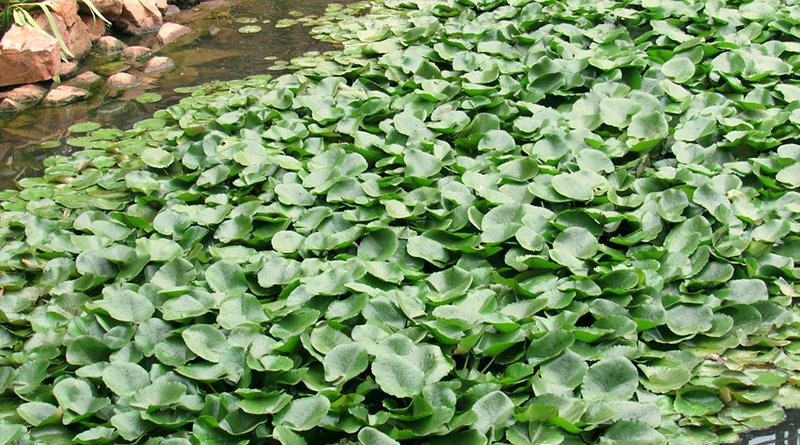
[(26, 95), (79, 39), (123, 81), (7, 105), (139, 17), (85, 78), (171, 32), (162, 5), (28, 55), (64, 94), (111, 9), (74, 32), (158, 63), (96, 27), (136, 52), (67, 69), (67, 9), (110, 46), (171, 10)]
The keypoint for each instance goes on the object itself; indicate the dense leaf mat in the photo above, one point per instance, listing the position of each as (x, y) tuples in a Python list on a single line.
[(513, 222)]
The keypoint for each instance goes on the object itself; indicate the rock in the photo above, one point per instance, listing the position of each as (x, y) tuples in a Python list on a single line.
[(75, 34), (162, 5), (136, 52), (7, 105), (123, 81), (110, 46), (26, 95), (171, 32), (139, 17), (85, 78), (64, 94), (28, 55), (96, 27), (79, 39), (67, 9), (159, 63), (67, 69), (171, 10), (111, 9)]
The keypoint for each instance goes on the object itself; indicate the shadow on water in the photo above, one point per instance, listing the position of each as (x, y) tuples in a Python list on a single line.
[(219, 52), (787, 433)]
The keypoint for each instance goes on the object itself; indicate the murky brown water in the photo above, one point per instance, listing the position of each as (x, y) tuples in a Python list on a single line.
[(219, 52)]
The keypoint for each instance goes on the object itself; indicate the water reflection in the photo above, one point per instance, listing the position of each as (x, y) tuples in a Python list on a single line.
[(787, 433)]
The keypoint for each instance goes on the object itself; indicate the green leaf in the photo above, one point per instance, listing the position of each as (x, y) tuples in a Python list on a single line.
[(226, 277), (747, 291), (610, 379), (371, 436), (492, 411), (304, 413), (344, 362), (397, 376), (206, 341), (125, 378), (127, 305), (648, 126)]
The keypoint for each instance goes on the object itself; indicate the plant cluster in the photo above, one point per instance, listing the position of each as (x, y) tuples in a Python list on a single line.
[(512, 222)]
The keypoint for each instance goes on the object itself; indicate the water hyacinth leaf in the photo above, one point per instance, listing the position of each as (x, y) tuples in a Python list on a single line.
[(125, 378), (345, 361), (226, 277), (648, 125), (206, 341), (371, 436), (610, 379), (397, 376), (464, 208), (127, 306), (305, 413)]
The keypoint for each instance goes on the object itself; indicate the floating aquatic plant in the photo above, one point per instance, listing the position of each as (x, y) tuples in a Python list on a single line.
[(513, 222)]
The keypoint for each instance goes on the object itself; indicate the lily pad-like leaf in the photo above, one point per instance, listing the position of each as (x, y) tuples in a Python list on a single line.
[(613, 378)]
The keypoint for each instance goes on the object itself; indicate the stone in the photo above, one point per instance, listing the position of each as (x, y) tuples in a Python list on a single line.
[(171, 32), (110, 46), (67, 69), (26, 95), (123, 81), (28, 55), (171, 10), (85, 78), (64, 94), (96, 27), (79, 39), (139, 17), (67, 9), (162, 5), (111, 9), (7, 105), (159, 63), (136, 52)]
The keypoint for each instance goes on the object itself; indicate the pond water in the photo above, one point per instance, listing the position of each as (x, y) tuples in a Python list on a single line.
[(220, 52), (787, 433)]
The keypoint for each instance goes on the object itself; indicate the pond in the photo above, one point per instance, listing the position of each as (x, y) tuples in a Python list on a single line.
[(787, 433), (221, 53)]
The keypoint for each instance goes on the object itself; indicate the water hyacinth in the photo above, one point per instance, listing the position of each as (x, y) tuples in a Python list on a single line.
[(512, 222)]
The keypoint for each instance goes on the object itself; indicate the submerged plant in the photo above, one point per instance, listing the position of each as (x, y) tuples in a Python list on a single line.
[(514, 222)]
